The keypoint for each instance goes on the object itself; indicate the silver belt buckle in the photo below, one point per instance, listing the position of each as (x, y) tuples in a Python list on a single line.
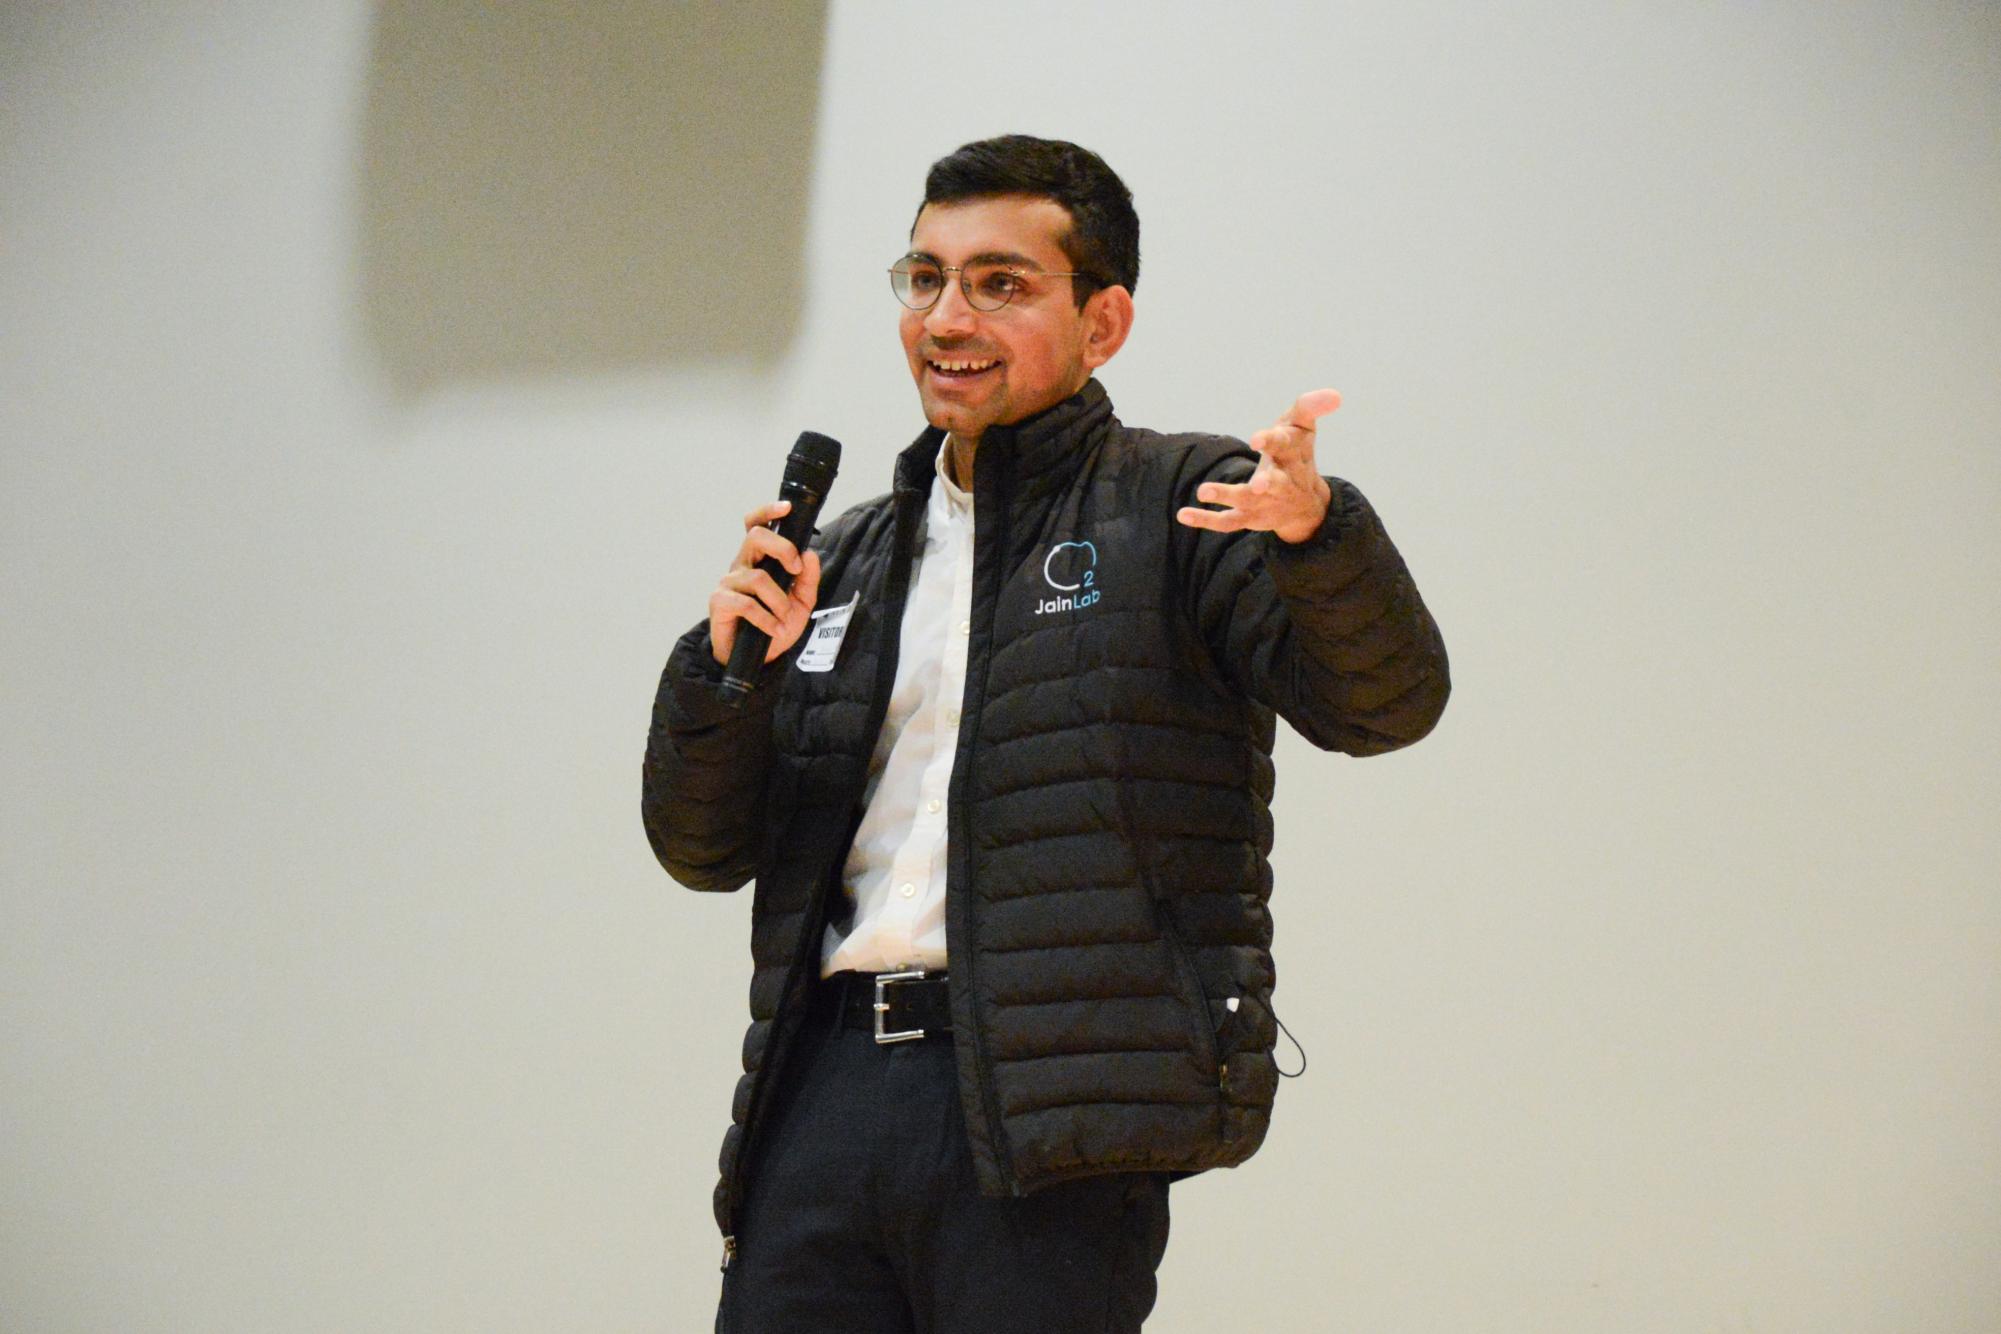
[(882, 980)]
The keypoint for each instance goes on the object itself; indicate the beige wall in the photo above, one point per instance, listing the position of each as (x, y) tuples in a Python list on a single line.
[(363, 448)]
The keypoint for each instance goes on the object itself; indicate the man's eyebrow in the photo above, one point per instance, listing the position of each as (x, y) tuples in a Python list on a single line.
[(1013, 259)]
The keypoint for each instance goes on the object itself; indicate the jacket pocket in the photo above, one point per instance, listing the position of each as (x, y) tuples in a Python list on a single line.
[(1195, 995)]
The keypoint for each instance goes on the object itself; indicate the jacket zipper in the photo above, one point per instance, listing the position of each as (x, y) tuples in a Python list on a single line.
[(885, 679), (961, 930), (960, 974)]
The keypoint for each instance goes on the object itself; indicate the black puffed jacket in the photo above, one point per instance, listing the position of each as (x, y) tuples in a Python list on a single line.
[(1109, 822)]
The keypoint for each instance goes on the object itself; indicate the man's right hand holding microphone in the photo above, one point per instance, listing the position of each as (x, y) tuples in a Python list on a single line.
[(748, 594)]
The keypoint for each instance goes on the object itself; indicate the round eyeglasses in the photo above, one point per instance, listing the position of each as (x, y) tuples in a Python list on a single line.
[(918, 283)]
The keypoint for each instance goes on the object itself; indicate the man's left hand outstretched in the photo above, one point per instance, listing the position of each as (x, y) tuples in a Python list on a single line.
[(1286, 495)]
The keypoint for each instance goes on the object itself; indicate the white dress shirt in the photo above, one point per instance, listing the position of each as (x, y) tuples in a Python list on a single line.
[(895, 872)]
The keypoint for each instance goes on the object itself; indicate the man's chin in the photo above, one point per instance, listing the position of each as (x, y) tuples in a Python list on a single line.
[(963, 419)]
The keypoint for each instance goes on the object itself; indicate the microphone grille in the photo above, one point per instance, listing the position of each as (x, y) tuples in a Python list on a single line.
[(820, 450)]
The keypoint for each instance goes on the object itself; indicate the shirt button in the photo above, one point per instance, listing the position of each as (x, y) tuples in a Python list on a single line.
[(908, 891), (952, 715), (932, 805), (965, 627)]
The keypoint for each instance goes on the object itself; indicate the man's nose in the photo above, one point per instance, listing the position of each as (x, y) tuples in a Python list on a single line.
[(951, 315)]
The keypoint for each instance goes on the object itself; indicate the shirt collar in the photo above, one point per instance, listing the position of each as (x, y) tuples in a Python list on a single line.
[(957, 501)]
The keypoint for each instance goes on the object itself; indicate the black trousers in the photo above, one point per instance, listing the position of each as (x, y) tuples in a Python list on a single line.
[(861, 1215)]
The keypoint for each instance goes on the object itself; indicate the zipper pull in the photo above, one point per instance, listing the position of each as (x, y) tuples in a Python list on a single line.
[(1224, 1031), (729, 1252)]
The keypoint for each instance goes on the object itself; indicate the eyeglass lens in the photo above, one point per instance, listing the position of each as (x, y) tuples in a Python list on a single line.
[(919, 283)]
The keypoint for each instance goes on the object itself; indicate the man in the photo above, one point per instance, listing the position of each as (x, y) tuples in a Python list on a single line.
[(1008, 811)]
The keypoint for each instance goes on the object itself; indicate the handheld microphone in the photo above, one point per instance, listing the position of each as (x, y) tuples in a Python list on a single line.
[(809, 472)]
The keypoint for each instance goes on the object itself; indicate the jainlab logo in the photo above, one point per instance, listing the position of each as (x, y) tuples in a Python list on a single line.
[(1071, 568)]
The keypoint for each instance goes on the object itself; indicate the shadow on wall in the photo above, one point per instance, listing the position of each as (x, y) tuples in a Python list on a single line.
[(552, 189)]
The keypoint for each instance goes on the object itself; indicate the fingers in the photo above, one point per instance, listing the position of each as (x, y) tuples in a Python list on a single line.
[(730, 608), (750, 596), (757, 583), (727, 610), (760, 539), (1290, 438), (1309, 408), (806, 589), (1235, 499), (743, 600), (797, 613), (762, 520), (1284, 447), (1283, 496), (1215, 521), (761, 542), (1226, 494)]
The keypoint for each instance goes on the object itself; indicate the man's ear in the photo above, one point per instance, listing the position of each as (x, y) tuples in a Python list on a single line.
[(1108, 318)]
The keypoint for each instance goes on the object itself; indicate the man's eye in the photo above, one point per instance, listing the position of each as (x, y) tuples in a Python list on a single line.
[(925, 280), (1000, 284)]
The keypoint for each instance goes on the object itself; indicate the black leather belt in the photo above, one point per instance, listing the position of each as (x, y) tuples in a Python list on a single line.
[(896, 1007)]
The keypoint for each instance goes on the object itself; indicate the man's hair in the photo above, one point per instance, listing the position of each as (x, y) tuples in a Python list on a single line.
[(1103, 240)]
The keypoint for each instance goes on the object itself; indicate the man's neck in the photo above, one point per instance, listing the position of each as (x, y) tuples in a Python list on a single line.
[(959, 460)]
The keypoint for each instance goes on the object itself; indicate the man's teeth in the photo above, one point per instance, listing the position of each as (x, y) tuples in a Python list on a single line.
[(962, 365)]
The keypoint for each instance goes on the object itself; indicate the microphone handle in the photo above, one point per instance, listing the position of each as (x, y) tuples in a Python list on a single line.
[(747, 653)]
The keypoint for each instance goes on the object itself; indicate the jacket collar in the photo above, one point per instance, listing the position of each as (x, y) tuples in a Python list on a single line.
[(1027, 459)]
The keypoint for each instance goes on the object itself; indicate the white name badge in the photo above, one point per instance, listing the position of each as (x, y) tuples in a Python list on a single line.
[(823, 641)]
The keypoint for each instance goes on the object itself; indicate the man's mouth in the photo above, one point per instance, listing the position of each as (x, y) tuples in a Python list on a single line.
[(960, 368)]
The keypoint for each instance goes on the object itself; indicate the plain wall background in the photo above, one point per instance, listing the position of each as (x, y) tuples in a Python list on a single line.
[(363, 448)]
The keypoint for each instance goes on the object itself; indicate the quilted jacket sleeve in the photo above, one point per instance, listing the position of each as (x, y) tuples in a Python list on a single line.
[(1329, 632), (703, 781)]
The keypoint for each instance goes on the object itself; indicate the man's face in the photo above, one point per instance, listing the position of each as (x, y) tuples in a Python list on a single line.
[(981, 368)]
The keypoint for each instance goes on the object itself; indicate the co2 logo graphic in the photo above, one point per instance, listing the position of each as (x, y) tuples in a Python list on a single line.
[(1071, 568)]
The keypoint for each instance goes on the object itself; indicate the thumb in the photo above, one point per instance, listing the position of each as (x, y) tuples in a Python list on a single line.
[(1310, 406), (807, 587)]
